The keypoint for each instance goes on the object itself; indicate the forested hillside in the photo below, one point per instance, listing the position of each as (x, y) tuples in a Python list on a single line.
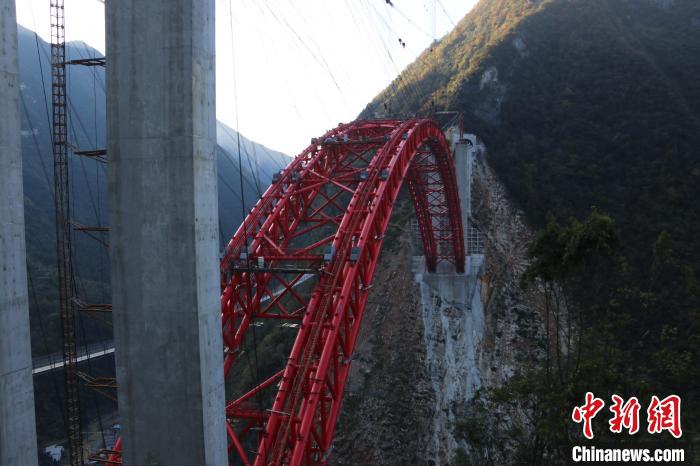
[(581, 103), (88, 179), (589, 109), (89, 206)]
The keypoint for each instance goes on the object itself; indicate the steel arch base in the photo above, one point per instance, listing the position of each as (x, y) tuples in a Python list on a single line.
[(321, 225)]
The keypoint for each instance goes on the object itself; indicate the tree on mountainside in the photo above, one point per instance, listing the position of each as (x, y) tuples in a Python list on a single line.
[(607, 331)]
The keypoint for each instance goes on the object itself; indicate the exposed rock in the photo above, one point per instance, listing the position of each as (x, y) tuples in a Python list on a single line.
[(520, 46), (513, 325), (453, 321), (413, 379), (492, 94), (388, 406), (490, 76)]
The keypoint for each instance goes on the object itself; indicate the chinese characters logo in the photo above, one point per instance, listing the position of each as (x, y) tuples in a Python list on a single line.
[(662, 415)]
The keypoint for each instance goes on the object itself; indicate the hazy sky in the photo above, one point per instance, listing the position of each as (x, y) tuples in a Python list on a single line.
[(301, 66)]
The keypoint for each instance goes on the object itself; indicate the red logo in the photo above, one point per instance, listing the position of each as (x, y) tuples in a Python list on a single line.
[(587, 412), (661, 415), (665, 415), (624, 415)]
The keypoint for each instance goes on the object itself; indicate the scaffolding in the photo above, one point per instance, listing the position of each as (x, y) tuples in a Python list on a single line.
[(475, 239), (59, 133)]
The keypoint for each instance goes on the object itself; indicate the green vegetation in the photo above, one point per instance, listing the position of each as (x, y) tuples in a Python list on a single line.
[(594, 103), (586, 104), (609, 330)]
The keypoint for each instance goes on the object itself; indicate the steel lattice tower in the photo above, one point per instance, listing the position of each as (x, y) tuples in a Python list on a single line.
[(63, 232)]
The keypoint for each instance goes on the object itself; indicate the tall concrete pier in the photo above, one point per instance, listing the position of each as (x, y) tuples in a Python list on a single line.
[(453, 316), (463, 148), (163, 216), (17, 425)]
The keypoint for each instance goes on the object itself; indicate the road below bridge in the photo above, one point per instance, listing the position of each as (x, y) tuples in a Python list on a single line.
[(50, 362)]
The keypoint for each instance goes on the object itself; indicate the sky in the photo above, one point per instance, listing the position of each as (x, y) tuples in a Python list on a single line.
[(288, 70)]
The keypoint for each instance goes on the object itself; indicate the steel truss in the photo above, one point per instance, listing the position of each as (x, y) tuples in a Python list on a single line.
[(323, 221), (329, 210)]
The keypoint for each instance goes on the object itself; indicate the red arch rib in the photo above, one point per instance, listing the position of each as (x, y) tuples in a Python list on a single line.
[(337, 195)]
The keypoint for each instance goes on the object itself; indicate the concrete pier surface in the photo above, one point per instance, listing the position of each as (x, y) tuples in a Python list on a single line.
[(453, 316), (164, 234), (17, 419)]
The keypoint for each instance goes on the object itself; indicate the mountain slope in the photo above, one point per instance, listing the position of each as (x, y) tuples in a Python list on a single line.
[(88, 189), (581, 103), (86, 89)]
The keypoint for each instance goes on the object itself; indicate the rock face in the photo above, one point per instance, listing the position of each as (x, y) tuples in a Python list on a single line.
[(429, 353), (453, 322), (387, 412), (513, 327), (493, 93)]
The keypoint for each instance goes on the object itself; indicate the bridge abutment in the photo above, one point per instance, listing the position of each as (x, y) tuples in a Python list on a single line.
[(17, 419), (164, 220), (453, 315)]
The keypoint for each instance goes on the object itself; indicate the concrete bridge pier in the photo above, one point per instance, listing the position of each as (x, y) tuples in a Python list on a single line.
[(17, 419), (453, 315), (164, 231)]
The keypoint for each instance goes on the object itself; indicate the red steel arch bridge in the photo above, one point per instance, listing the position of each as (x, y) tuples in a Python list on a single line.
[(304, 258)]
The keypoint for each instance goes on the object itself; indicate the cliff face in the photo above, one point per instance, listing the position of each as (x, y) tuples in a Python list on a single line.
[(581, 103), (513, 327), (430, 351), (513, 337), (387, 411), (453, 322)]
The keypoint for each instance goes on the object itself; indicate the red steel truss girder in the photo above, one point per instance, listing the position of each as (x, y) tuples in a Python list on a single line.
[(341, 189), (277, 215)]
